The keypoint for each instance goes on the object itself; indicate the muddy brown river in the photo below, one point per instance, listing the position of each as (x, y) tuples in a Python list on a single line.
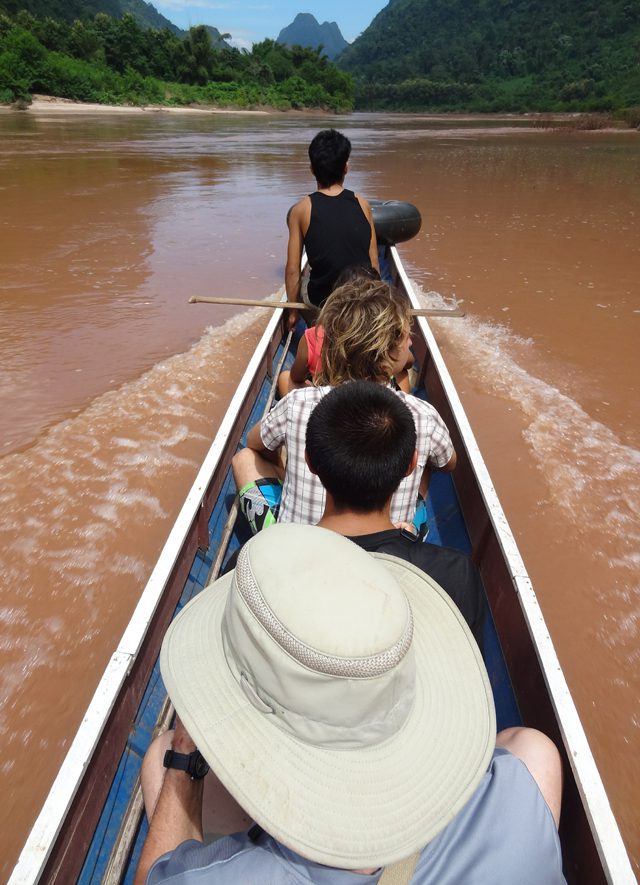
[(111, 385)]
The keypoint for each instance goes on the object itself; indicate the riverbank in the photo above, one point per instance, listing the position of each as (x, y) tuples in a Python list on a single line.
[(52, 104), (49, 104)]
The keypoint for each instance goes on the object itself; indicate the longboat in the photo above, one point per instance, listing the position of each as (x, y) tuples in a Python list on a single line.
[(92, 826)]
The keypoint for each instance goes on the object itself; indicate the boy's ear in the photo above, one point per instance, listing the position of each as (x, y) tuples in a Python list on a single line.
[(346, 169), (310, 465), (412, 464)]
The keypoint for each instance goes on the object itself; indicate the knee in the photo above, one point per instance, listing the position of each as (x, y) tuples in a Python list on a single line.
[(541, 757), (525, 742), (243, 466)]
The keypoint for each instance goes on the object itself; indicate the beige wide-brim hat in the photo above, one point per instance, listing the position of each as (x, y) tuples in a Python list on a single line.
[(340, 697)]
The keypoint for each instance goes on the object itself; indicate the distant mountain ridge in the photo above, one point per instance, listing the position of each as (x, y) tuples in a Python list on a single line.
[(68, 10), (305, 30), (499, 55)]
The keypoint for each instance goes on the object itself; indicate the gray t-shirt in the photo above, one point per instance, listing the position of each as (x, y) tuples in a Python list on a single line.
[(505, 834)]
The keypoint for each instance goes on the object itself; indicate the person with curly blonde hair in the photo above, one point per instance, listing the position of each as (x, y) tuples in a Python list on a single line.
[(367, 338), (357, 352), (365, 323)]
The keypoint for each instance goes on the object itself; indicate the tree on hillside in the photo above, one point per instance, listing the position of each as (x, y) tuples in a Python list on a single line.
[(511, 54)]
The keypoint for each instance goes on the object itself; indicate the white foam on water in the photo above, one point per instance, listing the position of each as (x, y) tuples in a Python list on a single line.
[(76, 503), (588, 472)]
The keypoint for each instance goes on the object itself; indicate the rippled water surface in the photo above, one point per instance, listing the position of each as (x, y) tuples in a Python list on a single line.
[(111, 385)]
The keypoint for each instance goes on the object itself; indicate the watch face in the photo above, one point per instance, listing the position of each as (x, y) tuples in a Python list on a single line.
[(201, 766)]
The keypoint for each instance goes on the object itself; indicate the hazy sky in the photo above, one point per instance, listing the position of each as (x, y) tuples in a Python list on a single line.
[(253, 20)]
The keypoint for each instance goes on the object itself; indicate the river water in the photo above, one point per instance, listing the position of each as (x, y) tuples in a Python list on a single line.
[(111, 385)]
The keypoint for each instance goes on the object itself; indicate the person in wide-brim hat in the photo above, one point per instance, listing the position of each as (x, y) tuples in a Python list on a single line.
[(339, 697)]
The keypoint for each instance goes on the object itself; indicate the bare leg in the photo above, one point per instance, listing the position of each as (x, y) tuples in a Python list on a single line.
[(221, 814), (248, 465), (541, 757), (152, 771)]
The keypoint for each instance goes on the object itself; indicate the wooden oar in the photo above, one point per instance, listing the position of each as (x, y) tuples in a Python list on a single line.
[(299, 305)]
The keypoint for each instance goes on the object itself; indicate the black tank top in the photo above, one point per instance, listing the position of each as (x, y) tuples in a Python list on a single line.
[(338, 236)]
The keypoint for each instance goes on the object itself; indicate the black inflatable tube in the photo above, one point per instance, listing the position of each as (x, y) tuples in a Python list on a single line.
[(395, 221)]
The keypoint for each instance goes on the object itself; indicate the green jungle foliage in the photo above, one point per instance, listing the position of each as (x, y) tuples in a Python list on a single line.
[(499, 55), (114, 61)]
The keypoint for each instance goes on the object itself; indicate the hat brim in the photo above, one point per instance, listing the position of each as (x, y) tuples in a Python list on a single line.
[(343, 808)]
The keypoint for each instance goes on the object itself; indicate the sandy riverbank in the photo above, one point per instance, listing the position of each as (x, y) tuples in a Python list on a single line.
[(50, 104)]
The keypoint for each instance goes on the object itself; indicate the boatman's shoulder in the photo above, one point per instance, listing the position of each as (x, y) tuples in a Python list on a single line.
[(300, 211)]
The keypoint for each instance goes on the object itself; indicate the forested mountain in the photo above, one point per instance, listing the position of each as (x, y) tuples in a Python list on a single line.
[(68, 10), (490, 55), (305, 30)]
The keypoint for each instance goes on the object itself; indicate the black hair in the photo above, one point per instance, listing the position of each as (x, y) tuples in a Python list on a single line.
[(356, 272), (360, 441), (328, 153)]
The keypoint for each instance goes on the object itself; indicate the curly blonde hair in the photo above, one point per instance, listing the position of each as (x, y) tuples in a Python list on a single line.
[(364, 320)]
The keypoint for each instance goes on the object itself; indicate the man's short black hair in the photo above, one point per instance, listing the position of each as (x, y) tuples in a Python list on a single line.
[(360, 442), (328, 153)]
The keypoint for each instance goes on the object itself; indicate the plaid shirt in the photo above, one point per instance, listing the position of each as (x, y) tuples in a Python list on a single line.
[(303, 494)]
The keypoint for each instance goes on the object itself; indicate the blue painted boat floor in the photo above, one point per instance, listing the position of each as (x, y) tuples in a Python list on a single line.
[(446, 528)]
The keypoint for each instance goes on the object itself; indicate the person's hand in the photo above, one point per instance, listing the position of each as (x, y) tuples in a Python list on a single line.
[(407, 526), (292, 319)]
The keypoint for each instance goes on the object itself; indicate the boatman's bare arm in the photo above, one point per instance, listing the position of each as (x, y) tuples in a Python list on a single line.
[(178, 811), (373, 245), (297, 222)]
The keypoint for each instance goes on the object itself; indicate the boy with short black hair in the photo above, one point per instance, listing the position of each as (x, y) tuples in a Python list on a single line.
[(360, 442)]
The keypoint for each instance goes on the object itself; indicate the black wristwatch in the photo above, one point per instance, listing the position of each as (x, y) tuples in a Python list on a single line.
[(194, 763)]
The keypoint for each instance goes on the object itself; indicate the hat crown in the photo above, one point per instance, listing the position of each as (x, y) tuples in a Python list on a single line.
[(338, 602), (334, 637)]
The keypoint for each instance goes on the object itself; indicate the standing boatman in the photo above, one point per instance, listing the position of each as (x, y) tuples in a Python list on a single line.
[(334, 225)]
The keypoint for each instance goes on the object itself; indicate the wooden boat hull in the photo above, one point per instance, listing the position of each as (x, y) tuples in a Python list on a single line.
[(77, 834)]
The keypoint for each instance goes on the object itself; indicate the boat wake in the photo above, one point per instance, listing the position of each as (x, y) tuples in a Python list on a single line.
[(86, 510), (589, 474)]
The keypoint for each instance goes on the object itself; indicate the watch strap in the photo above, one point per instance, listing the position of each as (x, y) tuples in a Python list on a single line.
[(194, 764)]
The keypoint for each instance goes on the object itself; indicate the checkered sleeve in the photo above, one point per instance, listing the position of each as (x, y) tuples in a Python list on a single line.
[(441, 445), (273, 426)]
